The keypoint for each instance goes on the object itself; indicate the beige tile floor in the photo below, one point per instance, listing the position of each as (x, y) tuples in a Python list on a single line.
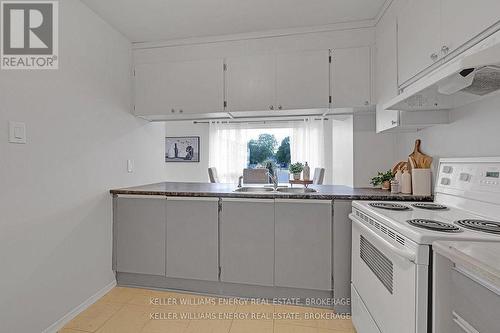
[(131, 310)]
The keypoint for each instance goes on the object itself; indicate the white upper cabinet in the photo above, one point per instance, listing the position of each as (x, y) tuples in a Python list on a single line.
[(419, 40), (386, 69), (386, 78), (265, 84), (350, 79), (278, 82), (462, 20), (251, 83), (430, 30), (179, 88), (302, 80)]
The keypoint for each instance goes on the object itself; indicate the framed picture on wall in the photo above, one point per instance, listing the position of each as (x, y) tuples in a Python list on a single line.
[(182, 149)]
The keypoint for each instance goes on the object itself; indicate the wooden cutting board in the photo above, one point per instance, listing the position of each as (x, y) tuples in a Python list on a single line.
[(418, 159)]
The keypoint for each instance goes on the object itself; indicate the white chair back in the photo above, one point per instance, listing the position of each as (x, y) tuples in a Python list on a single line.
[(319, 176), (212, 175)]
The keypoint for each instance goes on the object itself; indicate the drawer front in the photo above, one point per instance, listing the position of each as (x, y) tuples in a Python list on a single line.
[(361, 318), (474, 307)]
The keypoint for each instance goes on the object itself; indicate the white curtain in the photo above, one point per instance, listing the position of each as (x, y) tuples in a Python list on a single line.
[(228, 150), (307, 143)]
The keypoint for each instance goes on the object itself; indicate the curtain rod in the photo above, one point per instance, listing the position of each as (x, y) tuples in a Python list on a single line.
[(253, 121)]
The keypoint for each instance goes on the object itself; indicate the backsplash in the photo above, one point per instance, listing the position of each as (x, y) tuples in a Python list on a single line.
[(472, 131)]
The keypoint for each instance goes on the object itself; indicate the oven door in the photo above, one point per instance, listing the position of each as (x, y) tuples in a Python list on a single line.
[(384, 274)]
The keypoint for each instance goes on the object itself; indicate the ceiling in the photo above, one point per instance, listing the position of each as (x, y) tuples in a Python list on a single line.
[(162, 20)]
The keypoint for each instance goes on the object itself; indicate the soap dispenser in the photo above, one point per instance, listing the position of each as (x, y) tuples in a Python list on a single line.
[(306, 173)]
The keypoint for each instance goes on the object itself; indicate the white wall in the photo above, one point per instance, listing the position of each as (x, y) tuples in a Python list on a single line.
[(188, 171), (342, 150), (372, 152), (473, 131), (288, 43), (56, 218)]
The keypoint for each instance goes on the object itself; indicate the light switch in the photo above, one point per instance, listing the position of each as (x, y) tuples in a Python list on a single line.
[(17, 132)]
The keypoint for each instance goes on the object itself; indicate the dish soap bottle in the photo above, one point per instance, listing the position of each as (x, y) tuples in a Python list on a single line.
[(406, 182), (306, 173)]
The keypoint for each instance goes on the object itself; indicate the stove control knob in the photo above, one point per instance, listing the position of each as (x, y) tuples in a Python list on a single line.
[(465, 177), (447, 169), (445, 181)]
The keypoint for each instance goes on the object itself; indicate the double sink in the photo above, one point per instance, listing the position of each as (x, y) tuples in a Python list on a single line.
[(270, 189)]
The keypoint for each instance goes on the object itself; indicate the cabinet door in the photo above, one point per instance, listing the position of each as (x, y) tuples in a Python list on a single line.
[(182, 87), (386, 69), (303, 244), (247, 241), (139, 234), (342, 253), (303, 80), (251, 83), (462, 20), (418, 37), (192, 238), (350, 77)]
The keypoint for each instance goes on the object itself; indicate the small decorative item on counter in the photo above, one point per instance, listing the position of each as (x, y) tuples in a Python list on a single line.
[(398, 176), (384, 179), (400, 166), (306, 174), (406, 182), (296, 170), (421, 181), (418, 159), (395, 187), (420, 165)]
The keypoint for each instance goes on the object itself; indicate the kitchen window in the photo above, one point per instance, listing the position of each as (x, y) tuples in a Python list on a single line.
[(238, 145)]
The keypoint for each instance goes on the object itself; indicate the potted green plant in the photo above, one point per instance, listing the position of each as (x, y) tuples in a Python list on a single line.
[(296, 170), (384, 179)]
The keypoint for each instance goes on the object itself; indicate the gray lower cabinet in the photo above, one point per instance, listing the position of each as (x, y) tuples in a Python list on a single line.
[(303, 244), (342, 254), (192, 238), (247, 241), (139, 235)]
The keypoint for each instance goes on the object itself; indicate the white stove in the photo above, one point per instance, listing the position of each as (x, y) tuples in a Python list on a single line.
[(397, 220), (391, 244)]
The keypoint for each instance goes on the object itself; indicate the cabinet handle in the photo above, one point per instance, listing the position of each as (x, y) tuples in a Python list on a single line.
[(434, 56), (271, 107), (173, 111), (181, 111), (367, 103), (280, 107), (393, 122), (445, 49)]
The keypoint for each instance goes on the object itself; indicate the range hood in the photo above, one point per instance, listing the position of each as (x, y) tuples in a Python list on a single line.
[(470, 77)]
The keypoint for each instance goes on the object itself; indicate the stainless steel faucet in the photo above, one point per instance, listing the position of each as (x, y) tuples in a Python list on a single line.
[(240, 181), (274, 179)]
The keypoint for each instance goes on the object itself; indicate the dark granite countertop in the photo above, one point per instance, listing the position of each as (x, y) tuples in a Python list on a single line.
[(324, 192)]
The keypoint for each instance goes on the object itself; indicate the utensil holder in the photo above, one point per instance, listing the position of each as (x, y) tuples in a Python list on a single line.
[(421, 181)]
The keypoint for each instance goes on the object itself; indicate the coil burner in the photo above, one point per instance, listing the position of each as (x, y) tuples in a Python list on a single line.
[(480, 225), (434, 225)]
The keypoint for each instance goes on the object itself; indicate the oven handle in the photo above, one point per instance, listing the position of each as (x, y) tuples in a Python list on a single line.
[(382, 242)]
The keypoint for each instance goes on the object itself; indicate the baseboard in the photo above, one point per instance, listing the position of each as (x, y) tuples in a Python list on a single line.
[(59, 324)]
